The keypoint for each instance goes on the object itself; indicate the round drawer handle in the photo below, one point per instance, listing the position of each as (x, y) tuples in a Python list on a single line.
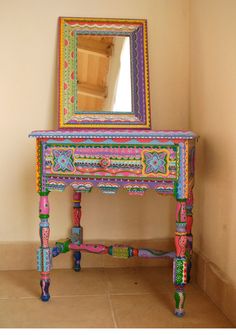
[(105, 162)]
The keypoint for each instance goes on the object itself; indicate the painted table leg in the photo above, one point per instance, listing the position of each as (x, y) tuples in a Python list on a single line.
[(77, 232), (44, 255), (180, 261), (189, 250)]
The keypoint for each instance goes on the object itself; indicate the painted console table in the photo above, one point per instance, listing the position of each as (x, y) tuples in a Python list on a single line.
[(135, 159)]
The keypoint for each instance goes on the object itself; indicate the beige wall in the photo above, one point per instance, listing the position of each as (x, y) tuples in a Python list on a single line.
[(28, 37), (213, 117)]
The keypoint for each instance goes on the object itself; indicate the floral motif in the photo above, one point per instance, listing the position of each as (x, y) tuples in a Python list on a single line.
[(155, 162), (63, 160)]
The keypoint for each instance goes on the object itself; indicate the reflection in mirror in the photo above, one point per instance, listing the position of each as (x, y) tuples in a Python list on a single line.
[(104, 73)]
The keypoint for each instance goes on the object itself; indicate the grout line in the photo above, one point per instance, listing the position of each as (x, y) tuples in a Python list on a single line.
[(109, 299), (79, 295), (112, 310), (54, 296), (131, 293), (106, 294)]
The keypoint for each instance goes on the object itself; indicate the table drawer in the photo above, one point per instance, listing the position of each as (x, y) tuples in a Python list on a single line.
[(113, 161)]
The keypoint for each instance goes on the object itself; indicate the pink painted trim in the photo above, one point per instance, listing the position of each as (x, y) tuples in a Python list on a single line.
[(93, 248), (44, 205), (77, 196)]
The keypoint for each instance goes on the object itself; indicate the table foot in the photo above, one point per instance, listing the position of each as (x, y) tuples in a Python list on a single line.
[(45, 296), (179, 313), (77, 258)]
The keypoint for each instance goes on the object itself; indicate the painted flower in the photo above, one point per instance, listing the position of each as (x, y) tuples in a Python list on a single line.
[(63, 160), (155, 162)]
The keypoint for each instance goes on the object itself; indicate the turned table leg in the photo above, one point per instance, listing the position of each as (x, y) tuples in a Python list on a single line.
[(180, 261), (76, 235), (189, 250), (44, 257)]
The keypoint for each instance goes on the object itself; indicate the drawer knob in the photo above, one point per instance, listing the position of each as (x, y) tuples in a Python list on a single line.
[(105, 162)]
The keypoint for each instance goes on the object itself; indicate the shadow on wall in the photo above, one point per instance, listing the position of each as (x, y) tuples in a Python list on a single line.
[(212, 203)]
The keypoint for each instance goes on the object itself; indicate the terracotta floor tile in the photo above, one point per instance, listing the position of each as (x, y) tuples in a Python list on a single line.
[(157, 279), (19, 283), (101, 298), (141, 311), (82, 312), (156, 311), (125, 280), (139, 280), (63, 283), (86, 282), (201, 311)]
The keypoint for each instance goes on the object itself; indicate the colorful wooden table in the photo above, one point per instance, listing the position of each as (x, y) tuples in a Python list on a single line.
[(134, 160)]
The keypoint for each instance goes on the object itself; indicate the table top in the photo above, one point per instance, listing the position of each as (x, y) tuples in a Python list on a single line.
[(172, 134)]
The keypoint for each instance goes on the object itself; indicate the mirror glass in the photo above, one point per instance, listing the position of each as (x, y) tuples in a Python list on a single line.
[(104, 73)]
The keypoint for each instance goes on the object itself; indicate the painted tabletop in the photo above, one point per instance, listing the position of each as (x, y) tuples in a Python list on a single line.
[(172, 134)]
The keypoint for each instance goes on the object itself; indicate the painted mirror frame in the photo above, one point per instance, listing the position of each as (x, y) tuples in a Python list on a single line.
[(68, 115)]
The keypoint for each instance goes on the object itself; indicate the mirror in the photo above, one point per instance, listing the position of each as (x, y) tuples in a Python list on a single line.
[(103, 74)]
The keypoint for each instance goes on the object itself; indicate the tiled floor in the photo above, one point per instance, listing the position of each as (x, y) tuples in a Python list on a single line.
[(102, 298)]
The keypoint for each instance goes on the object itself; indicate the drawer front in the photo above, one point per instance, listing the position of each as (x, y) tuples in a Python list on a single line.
[(113, 161)]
